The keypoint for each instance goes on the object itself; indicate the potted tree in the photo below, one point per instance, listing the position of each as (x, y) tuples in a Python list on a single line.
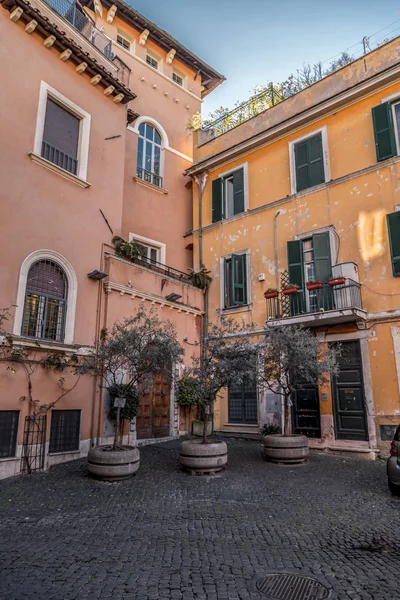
[(186, 396), (290, 357), (226, 357), (127, 359)]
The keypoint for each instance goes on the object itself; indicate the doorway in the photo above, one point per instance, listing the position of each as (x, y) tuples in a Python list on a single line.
[(153, 417), (306, 412), (348, 395)]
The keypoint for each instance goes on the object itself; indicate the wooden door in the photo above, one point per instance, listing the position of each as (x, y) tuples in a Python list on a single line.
[(154, 410)]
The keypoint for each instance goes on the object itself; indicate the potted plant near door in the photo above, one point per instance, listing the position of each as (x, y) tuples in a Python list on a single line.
[(127, 359), (290, 357), (225, 358)]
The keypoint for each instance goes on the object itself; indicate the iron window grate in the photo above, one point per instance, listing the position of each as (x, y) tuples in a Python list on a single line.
[(8, 432), (65, 429)]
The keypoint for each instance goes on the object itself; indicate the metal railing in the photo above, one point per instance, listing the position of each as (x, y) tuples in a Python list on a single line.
[(59, 158), (320, 300), (162, 269), (149, 176), (72, 12)]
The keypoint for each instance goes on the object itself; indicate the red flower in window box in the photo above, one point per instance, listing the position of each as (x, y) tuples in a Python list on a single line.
[(337, 281), (291, 288), (271, 293), (314, 285)]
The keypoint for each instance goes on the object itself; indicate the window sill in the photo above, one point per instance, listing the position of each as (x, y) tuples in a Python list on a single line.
[(64, 452), (38, 344), (9, 458), (52, 167), (156, 188), (236, 309)]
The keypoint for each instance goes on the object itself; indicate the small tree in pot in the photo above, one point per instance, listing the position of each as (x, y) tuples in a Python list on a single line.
[(226, 358), (127, 359), (291, 357)]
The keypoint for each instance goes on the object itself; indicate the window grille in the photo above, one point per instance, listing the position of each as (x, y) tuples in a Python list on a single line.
[(8, 432), (45, 302), (64, 431), (149, 155), (60, 137)]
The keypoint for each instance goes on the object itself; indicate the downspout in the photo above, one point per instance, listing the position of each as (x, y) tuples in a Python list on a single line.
[(201, 182), (278, 212)]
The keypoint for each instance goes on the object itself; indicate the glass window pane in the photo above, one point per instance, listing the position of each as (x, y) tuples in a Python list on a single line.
[(148, 157), (157, 137), (61, 129), (153, 254), (149, 132), (156, 160), (140, 153), (229, 197), (141, 128)]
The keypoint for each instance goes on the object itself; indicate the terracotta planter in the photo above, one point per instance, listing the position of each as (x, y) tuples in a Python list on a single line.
[(314, 285), (286, 449), (271, 294), (337, 281), (113, 465), (290, 290), (199, 458)]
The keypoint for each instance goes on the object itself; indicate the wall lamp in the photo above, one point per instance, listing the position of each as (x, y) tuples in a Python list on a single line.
[(97, 275)]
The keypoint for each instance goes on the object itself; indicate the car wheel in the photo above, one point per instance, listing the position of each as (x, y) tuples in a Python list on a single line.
[(394, 489)]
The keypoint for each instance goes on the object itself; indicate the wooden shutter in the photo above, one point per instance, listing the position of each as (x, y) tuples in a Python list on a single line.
[(385, 141), (216, 200), (393, 221), (316, 160), (296, 275), (301, 162), (322, 256), (238, 191), (239, 279)]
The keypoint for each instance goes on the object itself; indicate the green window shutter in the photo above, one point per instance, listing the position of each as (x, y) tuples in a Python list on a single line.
[(239, 279), (385, 141), (322, 256), (217, 200), (301, 161), (238, 191), (296, 275), (316, 160), (393, 221)]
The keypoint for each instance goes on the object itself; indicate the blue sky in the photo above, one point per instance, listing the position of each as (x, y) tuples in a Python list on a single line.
[(255, 41)]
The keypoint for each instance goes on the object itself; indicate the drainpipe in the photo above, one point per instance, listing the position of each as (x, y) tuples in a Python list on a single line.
[(278, 212), (201, 182)]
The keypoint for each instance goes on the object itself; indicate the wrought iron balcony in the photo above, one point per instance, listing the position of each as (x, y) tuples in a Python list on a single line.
[(59, 158), (72, 12), (328, 304), (162, 269), (149, 177)]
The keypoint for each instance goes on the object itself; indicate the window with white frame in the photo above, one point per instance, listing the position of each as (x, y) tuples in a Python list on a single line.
[(151, 251), (153, 62), (235, 280), (149, 155), (229, 194), (62, 132), (177, 78), (309, 165), (124, 40), (149, 254)]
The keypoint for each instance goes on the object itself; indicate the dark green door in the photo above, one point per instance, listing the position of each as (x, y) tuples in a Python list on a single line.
[(242, 403), (306, 413), (348, 395)]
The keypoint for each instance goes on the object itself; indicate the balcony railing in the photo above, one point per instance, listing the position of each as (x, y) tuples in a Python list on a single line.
[(59, 158), (307, 302), (79, 20), (162, 269), (149, 176)]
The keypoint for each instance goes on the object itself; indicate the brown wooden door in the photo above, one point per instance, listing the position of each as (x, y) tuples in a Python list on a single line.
[(154, 409)]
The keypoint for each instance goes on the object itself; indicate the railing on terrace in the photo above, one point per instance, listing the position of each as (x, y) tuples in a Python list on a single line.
[(72, 12), (149, 177), (305, 302), (162, 269)]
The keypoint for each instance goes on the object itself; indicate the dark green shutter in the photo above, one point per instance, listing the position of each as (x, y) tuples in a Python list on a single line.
[(316, 160), (322, 256), (385, 141), (296, 275), (216, 200), (323, 268), (239, 279), (393, 221), (238, 192), (301, 161)]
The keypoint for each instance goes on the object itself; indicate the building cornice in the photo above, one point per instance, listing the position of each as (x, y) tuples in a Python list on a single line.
[(292, 124)]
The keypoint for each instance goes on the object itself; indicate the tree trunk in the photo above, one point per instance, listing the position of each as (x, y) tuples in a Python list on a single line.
[(287, 422), (205, 425), (116, 433)]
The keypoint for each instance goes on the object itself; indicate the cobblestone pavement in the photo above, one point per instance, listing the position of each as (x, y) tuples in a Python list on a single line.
[(168, 535)]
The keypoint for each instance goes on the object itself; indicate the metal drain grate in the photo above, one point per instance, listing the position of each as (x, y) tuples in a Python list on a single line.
[(291, 587)]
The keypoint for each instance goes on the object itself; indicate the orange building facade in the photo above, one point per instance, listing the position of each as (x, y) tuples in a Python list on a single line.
[(307, 193), (95, 144)]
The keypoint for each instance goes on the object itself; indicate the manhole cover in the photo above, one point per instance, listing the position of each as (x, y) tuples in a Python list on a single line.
[(291, 587)]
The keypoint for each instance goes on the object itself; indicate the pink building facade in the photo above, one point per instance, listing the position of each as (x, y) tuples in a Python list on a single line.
[(94, 143)]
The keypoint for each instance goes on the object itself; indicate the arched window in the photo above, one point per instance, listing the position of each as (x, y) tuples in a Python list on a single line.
[(45, 301), (149, 155)]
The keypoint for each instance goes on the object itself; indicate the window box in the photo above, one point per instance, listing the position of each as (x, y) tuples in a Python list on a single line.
[(314, 285), (271, 294), (337, 281), (291, 289)]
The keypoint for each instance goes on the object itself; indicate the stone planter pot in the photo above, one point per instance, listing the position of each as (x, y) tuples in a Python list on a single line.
[(286, 449), (198, 428), (200, 458), (113, 465)]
